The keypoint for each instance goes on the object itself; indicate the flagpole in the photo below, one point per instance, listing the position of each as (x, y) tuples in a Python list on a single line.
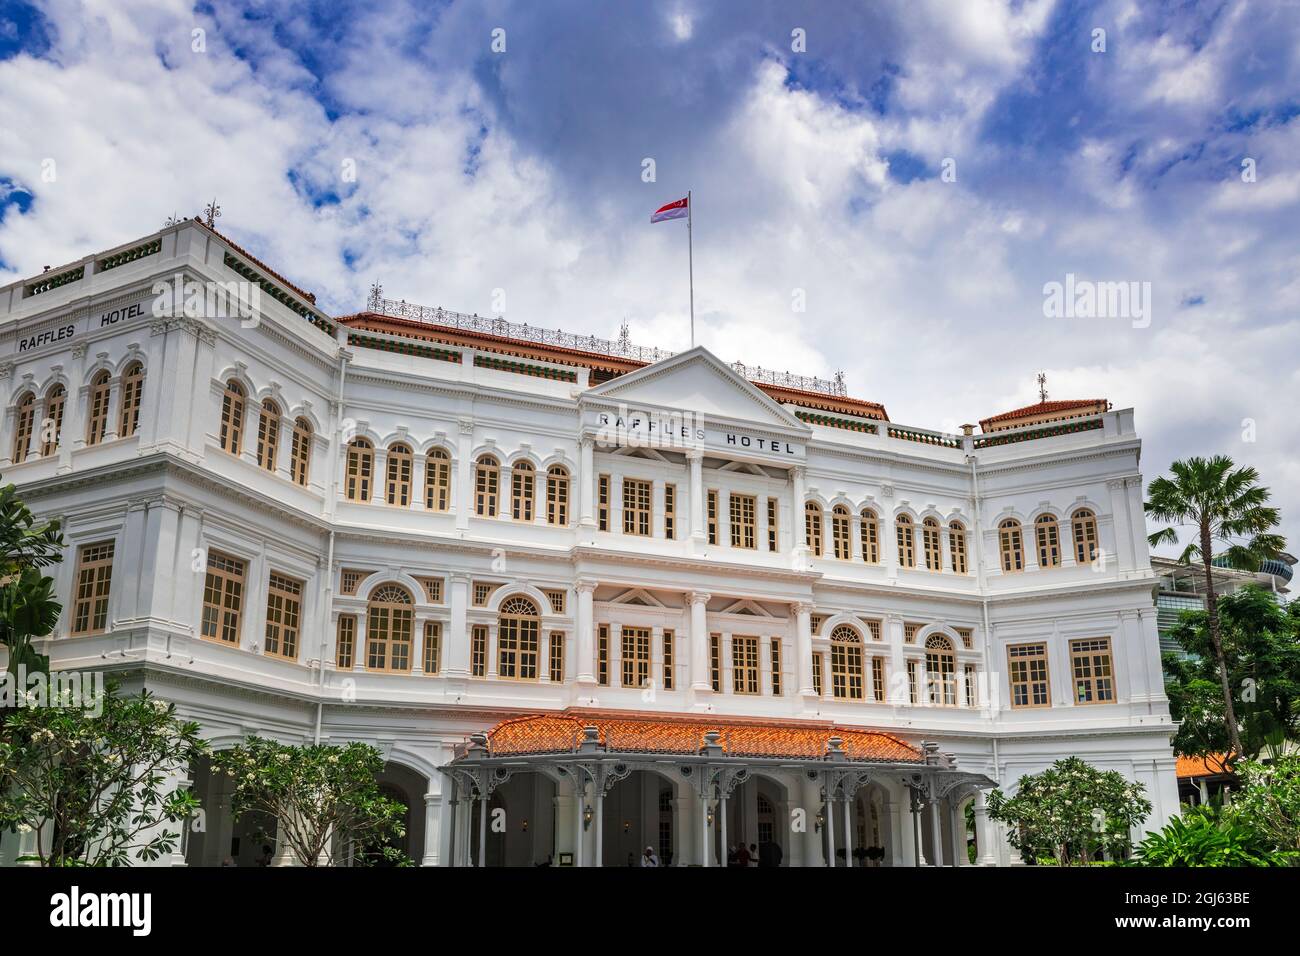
[(690, 258)]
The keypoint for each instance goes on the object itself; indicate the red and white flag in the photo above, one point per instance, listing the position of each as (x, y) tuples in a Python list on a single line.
[(674, 210)]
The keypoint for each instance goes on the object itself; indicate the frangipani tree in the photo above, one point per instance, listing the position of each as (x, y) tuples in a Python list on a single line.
[(325, 798)]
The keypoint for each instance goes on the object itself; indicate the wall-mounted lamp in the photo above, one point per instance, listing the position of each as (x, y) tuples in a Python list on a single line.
[(525, 826), (586, 816), (627, 826), (709, 816), (818, 822)]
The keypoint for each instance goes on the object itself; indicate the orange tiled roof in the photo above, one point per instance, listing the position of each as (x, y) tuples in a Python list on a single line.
[(1043, 408), (561, 733), (1209, 766)]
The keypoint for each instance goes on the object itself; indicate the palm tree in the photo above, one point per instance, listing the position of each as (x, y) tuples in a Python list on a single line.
[(1223, 504)]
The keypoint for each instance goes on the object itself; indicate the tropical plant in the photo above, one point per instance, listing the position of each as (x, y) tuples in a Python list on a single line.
[(1270, 801), (1261, 646), (1207, 836), (1071, 812), (325, 797), (92, 780), (1224, 505), (28, 609)]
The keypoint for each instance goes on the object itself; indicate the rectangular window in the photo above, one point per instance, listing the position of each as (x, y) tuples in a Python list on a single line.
[(878, 679), (773, 528), (670, 512), (668, 660), (398, 486), (744, 664), (557, 496), (715, 662), (556, 670), (519, 640), (1094, 681), (970, 696), (283, 614), (478, 650), (711, 517), (523, 483), (841, 544), (437, 481), (812, 528), (776, 666), (223, 598), (94, 577), (636, 656), (432, 589), (913, 694), (346, 646), (743, 516), (432, 647), (846, 669), (636, 507), (349, 579), (817, 674), (1027, 672), (602, 655), (602, 503), (555, 598)]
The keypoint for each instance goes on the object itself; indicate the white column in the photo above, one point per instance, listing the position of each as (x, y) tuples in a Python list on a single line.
[(456, 640), (936, 834), (586, 483), (699, 637), (432, 823), (586, 633), (464, 503), (803, 647), (984, 833)]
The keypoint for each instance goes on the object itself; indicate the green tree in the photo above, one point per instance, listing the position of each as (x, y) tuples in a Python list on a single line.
[(28, 609), (91, 780), (1261, 647), (325, 798), (1224, 506), (1071, 812)]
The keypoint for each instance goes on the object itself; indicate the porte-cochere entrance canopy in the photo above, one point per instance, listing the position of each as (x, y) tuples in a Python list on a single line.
[(813, 771)]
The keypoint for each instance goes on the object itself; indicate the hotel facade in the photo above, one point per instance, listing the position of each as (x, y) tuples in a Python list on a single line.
[(587, 598)]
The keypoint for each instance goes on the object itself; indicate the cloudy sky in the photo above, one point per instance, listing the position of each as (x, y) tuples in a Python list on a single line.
[(913, 173)]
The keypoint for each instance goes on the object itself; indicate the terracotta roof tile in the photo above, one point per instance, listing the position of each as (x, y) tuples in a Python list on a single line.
[(1044, 408), (1209, 766), (562, 733)]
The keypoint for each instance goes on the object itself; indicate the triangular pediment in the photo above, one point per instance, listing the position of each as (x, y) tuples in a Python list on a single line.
[(696, 381)]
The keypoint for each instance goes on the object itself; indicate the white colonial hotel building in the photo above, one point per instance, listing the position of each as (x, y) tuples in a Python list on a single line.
[(628, 597)]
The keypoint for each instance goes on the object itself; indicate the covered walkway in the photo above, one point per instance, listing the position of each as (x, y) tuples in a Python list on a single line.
[(805, 794)]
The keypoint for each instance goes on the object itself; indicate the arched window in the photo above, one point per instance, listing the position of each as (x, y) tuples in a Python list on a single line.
[(437, 480), (52, 426), (390, 617), (1049, 541), (132, 392), (1085, 536), (557, 495), (487, 472), (523, 482), (360, 470), (300, 451), (840, 533), (518, 639), (1013, 545), (905, 531), (870, 537), (24, 421), (932, 547), (232, 418), (397, 490), (268, 435), (957, 545), (941, 670), (812, 527), (846, 663), (97, 425)]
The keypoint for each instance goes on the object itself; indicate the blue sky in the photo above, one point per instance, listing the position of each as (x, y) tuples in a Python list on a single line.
[(816, 175)]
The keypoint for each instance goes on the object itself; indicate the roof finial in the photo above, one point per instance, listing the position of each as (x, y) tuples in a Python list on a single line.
[(1042, 386), (211, 213), (376, 297), (624, 339)]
